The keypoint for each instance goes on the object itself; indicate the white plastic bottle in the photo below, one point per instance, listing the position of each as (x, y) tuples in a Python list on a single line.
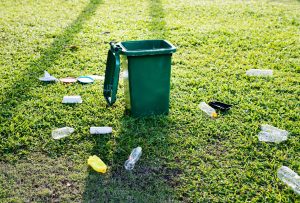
[(208, 110), (259, 72), (62, 132), (133, 158), (290, 178), (72, 100), (100, 130)]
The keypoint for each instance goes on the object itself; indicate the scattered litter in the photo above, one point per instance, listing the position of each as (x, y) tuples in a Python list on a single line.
[(259, 72), (73, 47), (105, 33), (208, 110), (290, 178), (62, 132), (124, 74), (68, 80), (97, 164), (72, 100), (269, 133), (47, 77), (133, 158), (220, 105), (100, 130), (97, 77), (85, 79)]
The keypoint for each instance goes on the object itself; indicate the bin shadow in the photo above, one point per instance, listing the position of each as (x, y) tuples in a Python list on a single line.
[(150, 181)]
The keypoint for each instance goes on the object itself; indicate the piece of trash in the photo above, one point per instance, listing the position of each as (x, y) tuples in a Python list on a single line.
[(62, 132), (133, 158), (124, 74), (73, 47), (47, 77), (220, 105), (85, 79), (97, 77), (289, 177), (72, 100), (68, 80), (259, 72), (105, 33), (269, 133), (208, 110), (97, 164), (100, 130)]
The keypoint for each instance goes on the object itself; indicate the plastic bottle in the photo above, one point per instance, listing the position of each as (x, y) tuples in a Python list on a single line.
[(62, 132), (100, 130), (290, 178), (72, 99), (259, 72), (208, 110), (272, 134), (97, 164), (133, 158)]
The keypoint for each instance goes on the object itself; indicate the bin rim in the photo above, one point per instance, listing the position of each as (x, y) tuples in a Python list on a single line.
[(171, 49)]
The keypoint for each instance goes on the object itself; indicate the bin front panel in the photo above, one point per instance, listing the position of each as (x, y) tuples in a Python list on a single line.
[(149, 84)]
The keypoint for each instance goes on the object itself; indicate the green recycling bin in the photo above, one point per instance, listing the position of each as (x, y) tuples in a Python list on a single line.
[(146, 68)]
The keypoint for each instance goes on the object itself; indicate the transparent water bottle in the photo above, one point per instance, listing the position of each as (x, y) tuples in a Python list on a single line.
[(62, 132), (272, 134), (290, 178), (208, 110), (133, 158)]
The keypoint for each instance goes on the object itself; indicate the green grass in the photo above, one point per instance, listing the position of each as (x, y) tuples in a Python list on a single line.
[(186, 156)]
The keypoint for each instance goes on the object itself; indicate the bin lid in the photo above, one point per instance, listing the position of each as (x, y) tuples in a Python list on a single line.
[(111, 76), (146, 47)]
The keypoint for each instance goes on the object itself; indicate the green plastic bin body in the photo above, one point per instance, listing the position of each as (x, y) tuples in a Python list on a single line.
[(147, 72)]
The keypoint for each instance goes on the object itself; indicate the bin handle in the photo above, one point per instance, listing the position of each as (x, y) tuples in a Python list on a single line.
[(112, 73)]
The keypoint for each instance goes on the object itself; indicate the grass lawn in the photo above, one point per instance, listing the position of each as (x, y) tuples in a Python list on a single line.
[(186, 156)]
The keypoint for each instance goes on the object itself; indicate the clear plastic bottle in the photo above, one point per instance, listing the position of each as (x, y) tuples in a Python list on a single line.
[(272, 134), (208, 110), (290, 178), (133, 158), (62, 132)]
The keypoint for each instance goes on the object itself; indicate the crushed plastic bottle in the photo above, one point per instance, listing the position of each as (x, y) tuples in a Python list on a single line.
[(97, 164), (133, 158), (72, 100), (269, 133), (100, 130), (208, 110), (62, 132), (290, 178), (259, 72)]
